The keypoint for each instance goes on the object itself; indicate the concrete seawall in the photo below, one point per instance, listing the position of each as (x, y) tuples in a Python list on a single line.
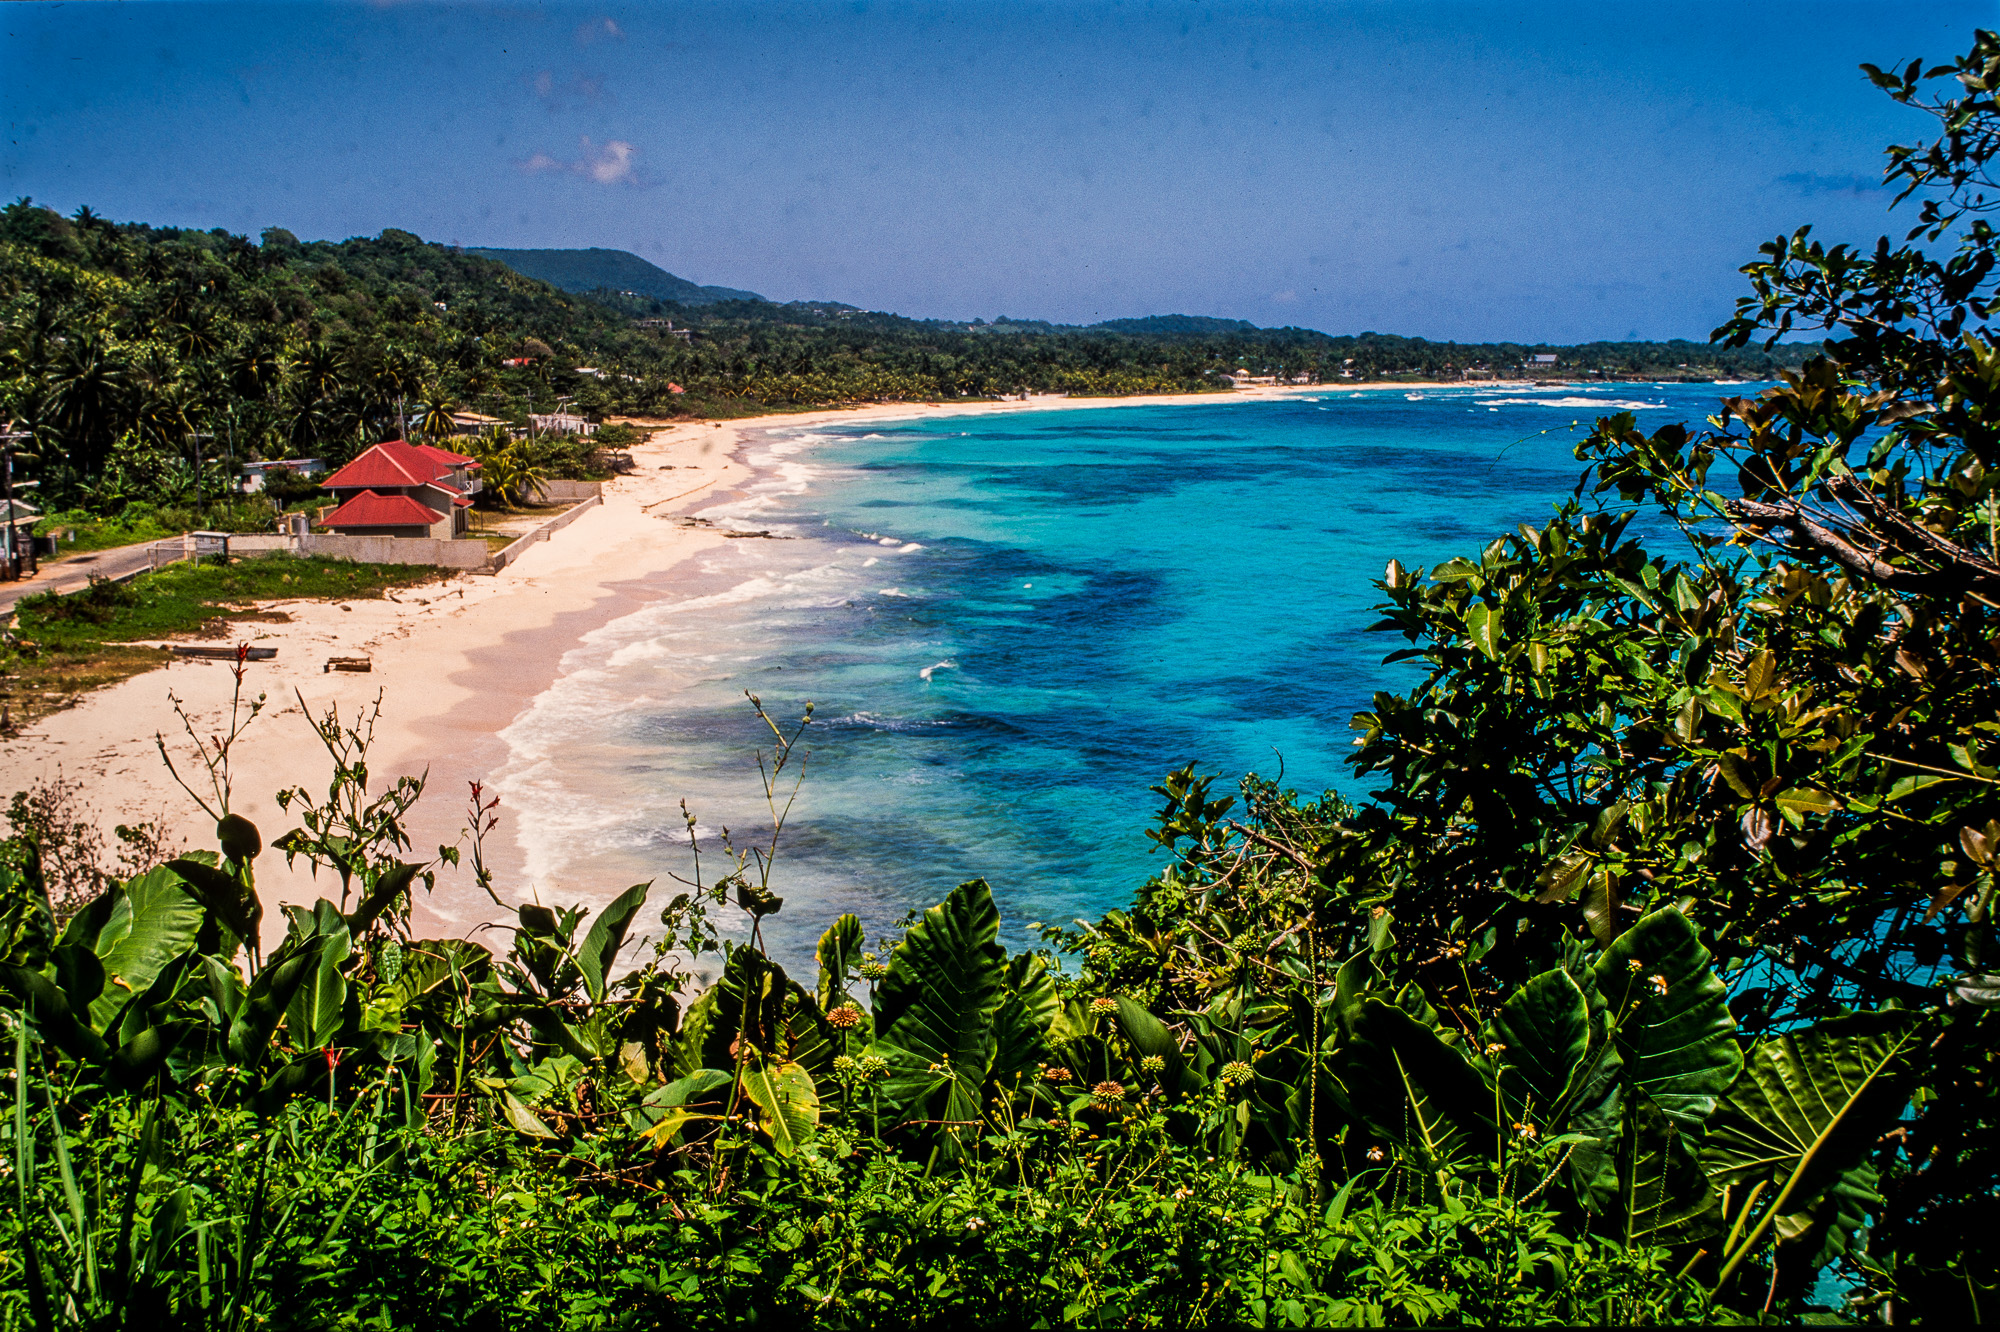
[(560, 492), (556, 524)]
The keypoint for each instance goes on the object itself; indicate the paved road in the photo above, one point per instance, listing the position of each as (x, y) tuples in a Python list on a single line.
[(73, 573)]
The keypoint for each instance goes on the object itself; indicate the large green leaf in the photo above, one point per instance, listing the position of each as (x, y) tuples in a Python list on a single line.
[(838, 953), (393, 884), (748, 998), (606, 936), (313, 1016), (934, 1009), (429, 965), (701, 1095), (1412, 1089), (1663, 1195), (50, 1006), (1670, 1016), (230, 900), (1150, 1038), (295, 963), (157, 920), (102, 921), (1808, 1106), (787, 1104), (1543, 1031), (690, 1047)]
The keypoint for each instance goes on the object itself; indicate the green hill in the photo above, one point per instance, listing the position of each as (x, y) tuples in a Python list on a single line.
[(614, 270), (1173, 324)]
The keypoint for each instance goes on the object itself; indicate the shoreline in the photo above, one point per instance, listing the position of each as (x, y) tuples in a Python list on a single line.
[(457, 660)]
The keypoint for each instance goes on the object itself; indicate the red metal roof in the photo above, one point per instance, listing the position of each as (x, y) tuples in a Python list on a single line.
[(369, 509), (447, 457), (394, 465)]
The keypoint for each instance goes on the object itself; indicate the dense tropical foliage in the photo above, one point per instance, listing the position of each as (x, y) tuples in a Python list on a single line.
[(1655, 984), (143, 362)]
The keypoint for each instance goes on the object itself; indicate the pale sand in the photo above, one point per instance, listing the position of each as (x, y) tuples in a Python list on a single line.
[(454, 661)]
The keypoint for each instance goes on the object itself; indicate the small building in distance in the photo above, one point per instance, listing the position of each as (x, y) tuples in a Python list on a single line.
[(1538, 363), (561, 423), (254, 473), (17, 520), (403, 490), (473, 423), (665, 326)]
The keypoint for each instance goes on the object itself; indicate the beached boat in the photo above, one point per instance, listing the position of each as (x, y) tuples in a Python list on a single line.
[(221, 653)]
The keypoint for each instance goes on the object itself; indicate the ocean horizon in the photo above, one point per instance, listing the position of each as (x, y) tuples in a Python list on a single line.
[(1010, 627)]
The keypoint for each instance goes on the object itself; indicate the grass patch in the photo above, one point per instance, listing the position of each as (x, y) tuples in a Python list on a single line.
[(65, 646), (84, 531)]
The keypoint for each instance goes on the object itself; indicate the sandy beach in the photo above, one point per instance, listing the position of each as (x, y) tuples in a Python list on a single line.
[(453, 662)]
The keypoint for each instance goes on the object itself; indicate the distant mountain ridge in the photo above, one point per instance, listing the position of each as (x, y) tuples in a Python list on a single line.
[(1200, 325), (585, 271)]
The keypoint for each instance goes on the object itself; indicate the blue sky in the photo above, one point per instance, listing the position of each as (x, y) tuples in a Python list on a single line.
[(1538, 171)]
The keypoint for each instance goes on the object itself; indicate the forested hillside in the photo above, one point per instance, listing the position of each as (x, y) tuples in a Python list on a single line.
[(134, 347), (610, 270)]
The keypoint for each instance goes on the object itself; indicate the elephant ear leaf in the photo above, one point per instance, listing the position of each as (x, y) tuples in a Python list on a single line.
[(156, 922), (1663, 1194), (788, 1107), (227, 898), (1412, 1088), (393, 884), (839, 950), (1806, 1109), (1544, 1063), (50, 1006), (104, 920), (1151, 1038), (934, 1009), (606, 936), (314, 1013), (268, 998), (1670, 1017)]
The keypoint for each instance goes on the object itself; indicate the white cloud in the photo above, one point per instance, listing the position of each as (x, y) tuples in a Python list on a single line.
[(596, 30), (611, 163)]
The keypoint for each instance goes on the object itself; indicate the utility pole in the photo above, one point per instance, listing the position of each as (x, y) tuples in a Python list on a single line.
[(199, 458), (7, 490)]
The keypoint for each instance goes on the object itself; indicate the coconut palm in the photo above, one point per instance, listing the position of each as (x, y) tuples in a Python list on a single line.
[(93, 387), (318, 371), (434, 418)]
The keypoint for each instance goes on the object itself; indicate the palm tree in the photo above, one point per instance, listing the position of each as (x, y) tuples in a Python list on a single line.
[(255, 368), (434, 418), (93, 388), (318, 371)]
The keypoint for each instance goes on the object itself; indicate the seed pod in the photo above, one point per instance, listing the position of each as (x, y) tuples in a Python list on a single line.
[(239, 837)]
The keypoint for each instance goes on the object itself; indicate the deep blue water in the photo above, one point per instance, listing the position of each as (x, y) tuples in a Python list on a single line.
[(1011, 625)]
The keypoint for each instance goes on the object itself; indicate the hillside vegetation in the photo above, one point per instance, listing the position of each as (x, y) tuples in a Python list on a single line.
[(610, 270), (143, 360)]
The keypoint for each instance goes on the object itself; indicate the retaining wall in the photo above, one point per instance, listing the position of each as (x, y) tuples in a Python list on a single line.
[(547, 529), (558, 492), (369, 549)]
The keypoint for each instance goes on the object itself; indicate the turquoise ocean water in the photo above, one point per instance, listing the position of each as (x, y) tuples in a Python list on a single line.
[(1011, 625)]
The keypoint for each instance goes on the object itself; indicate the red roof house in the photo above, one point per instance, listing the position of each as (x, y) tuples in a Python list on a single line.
[(401, 489)]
